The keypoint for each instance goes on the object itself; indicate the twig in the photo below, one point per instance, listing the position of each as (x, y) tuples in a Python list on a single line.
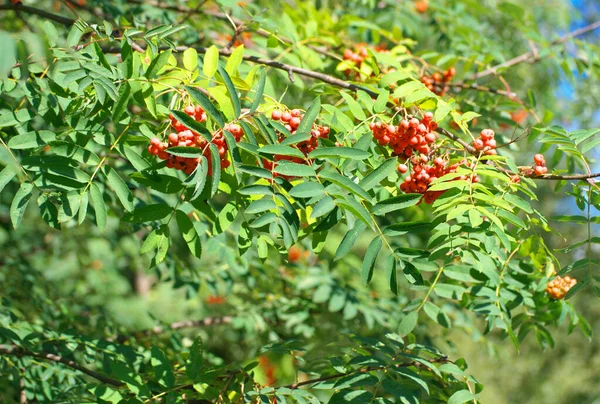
[(20, 352), (32, 10), (534, 56)]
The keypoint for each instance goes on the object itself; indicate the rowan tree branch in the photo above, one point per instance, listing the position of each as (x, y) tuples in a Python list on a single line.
[(533, 55), (159, 329), (20, 353), (293, 386), (222, 16), (32, 10)]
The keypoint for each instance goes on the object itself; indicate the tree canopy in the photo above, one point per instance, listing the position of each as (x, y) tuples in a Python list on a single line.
[(303, 201)]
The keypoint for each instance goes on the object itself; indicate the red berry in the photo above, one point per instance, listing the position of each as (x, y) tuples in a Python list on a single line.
[(539, 159), (276, 115), (286, 116), (478, 144), (402, 168), (539, 170)]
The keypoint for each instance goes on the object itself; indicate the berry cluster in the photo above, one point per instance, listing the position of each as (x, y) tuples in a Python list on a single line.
[(291, 120), (411, 135), (438, 83), (185, 137), (558, 287), (540, 165), (486, 142), (358, 56), (423, 174)]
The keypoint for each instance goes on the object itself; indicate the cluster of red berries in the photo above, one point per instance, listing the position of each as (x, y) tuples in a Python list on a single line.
[(185, 137), (409, 136), (438, 83), (423, 174), (358, 56), (291, 120), (486, 142), (558, 287), (540, 165)]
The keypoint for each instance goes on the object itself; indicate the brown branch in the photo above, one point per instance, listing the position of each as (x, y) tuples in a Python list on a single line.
[(534, 56), (32, 10), (159, 329), (485, 89), (293, 386), (20, 352), (222, 16)]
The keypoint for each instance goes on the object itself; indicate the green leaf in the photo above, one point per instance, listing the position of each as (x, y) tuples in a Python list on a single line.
[(339, 152), (189, 233), (375, 177), (393, 204), (120, 188), (356, 209), (323, 207), (408, 323), (349, 239), (234, 60), (260, 206), (235, 100), (354, 107), (99, 206), (294, 169), (370, 258), (185, 151), (206, 104), (162, 367), (190, 59), (392, 274), (281, 150), (381, 101), (215, 169), (6, 175), (399, 229), (309, 117), (19, 203), (158, 63), (148, 213), (260, 88), (195, 360), (307, 190), (345, 183), (48, 211), (211, 61), (31, 139), (154, 239), (192, 124), (461, 396), (122, 102)]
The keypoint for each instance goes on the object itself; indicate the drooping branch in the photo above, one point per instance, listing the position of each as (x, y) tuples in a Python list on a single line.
[(293, 386), (20, 352), (533, 55), (32, 10)]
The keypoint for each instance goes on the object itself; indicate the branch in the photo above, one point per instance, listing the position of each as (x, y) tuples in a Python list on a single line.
[(533, 56), (20, 352), (32, 10), (365, 369), (222, 16), (485, 89), (205, 322)]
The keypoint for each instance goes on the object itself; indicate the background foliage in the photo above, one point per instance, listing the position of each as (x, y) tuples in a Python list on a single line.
[(126, 281)]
